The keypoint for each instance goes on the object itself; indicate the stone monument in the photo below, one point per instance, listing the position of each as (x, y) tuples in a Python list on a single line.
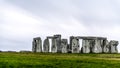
[(89, 44), (106, 48), (74, 44), (64, 45), (37, 44), (113, 46), (46, 45)]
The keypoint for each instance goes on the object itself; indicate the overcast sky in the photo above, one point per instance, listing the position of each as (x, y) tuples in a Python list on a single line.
[(21, 20)]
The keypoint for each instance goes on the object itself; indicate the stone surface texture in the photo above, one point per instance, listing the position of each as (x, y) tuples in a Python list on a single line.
[(74, 43), (113, 46), (46, 45), (85, 46), (90, 44), (37, 44), (64, 45)]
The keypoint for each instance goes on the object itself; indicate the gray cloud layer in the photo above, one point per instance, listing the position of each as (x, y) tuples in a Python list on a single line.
[(22, 20)]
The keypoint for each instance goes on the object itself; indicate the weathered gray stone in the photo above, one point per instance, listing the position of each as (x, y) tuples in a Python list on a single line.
[(97, 46), (33, 46), (54, 46), (89, 44), (37, 45), (92, 44), (90, 37), (46, 45), (58, 42), (64, 44), (113, 46), (74, 45), (85, 46), (106, 47)]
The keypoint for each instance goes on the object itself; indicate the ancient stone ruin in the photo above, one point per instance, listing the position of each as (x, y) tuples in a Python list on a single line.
[(37, 45), (88, 44)]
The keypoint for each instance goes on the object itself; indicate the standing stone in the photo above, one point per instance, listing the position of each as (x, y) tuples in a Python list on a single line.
[(58, 43), (113, 46), (85, 46), (97, 46), (91, 44), (46, 45), (54, 46), (106, 47), (37, 45), (74, 45), (33, 46), (64, 44)]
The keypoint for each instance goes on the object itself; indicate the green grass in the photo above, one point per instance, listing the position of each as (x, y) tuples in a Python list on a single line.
[(49, 60)]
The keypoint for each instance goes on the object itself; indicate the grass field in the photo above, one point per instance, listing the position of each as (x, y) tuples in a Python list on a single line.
[(49, 60)]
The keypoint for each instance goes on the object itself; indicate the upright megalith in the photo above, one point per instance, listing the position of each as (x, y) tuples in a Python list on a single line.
[(64, 45), (106, 48), (74, 44), (85, 46), (46, 45), (113, 46), (54, 46), (37, 44), (58, 42), (97, 46)]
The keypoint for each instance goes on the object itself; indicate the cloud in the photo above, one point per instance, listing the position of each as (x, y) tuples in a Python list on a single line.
[(20, 25), (20, 21)]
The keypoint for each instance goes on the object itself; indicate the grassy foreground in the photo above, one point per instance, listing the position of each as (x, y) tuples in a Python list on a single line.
[(49, 60)]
